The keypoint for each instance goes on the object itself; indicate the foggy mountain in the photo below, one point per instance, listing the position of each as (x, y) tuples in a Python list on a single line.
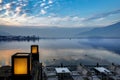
[(54, 32), (108, 31), (44, 32)]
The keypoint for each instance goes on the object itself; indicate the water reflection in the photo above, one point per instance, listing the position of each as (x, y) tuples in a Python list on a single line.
[(75, 51), (108, 44), (5, 56), (77, 56)]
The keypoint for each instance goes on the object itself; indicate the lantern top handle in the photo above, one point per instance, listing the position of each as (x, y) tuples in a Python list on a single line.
[(22, 54)]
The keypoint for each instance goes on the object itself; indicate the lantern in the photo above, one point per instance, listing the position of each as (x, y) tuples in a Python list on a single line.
[(34, 49), (35, 52), (21, 65)]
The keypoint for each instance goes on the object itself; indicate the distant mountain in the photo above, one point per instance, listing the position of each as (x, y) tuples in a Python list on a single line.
[(108, 31), (2, 33), (112, 31), (52, 32)]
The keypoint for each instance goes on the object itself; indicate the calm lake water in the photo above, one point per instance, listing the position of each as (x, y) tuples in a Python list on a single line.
[(66, 51)]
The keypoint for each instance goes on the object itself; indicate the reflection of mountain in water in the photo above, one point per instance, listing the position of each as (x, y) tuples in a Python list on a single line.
[(74, 51), (108, 44)]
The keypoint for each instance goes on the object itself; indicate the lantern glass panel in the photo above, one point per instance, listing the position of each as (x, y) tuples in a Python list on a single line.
[(34, 49), (20, 65)]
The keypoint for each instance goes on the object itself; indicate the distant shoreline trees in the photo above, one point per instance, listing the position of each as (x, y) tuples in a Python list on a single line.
[(18, 38)]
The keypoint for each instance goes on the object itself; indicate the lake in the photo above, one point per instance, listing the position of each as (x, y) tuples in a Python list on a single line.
[(66, 51)]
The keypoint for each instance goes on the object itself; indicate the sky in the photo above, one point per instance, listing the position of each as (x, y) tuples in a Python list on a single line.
[(59, 13)]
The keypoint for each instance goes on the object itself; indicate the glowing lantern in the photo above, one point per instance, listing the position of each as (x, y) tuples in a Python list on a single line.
[(35, 52), (34, 49), (21, 64)]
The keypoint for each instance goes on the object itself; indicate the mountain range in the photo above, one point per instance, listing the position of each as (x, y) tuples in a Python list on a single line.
[(112, 31), (108, 31)]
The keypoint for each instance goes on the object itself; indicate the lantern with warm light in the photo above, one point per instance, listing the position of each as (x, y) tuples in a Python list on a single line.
[(21, 65), (35, 52)]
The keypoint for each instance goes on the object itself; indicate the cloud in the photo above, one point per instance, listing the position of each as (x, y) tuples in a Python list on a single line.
[(21, 12), (50, 2), (103, 15), (0, 1), (43, 12), (8, 13), (1, 8), (46, 7), (100, 19), (53, 20), (20, 7), (76, 18), (8, 6), (56, 21), (18, 11), (42, 21), (42, 4)]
